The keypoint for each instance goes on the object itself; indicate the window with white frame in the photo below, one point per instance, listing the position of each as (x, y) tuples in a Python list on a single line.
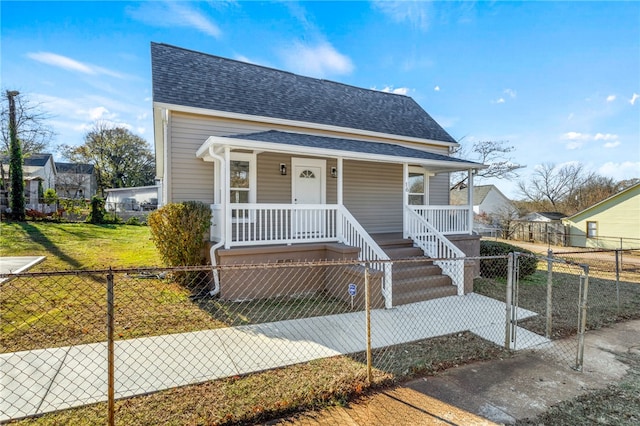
[(242, 185), (417, 187), (592, 229)]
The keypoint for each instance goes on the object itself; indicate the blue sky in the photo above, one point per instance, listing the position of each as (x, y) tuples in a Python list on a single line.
[(560, 81)]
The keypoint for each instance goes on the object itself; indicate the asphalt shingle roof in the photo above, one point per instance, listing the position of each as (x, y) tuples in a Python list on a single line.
[(193, 79), (341, 144), (74, 168)]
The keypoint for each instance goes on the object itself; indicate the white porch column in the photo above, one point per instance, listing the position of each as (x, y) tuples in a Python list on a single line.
[(340, 181), (224, 197), (405, 198), (339, 199), (470, 199)]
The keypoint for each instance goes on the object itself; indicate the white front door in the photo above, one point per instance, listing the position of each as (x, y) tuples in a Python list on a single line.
[(308, 187)]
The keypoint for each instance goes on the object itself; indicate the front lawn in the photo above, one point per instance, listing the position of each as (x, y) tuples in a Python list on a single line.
[(70, 246)]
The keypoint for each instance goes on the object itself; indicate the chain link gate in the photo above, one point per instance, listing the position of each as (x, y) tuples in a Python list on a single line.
[(548, 315)]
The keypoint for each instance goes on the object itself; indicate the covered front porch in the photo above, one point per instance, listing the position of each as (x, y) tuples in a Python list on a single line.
[(284, 189)]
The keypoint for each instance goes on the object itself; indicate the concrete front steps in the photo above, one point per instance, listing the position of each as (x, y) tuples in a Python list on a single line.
[(415, 277)]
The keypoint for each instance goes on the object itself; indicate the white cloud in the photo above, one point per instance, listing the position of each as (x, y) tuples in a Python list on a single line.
[(605, 137), (70, 64), (436, 89), (574, 145), (620, 171), (634, 98), (174, 14), (577, 139), (397, 90), (317, 61), (512, 93), (576, 136), (416, 13), (499, 101), (611, 98)]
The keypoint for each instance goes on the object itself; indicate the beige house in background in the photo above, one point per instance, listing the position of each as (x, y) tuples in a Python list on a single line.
[(302, 168), (610, 224)]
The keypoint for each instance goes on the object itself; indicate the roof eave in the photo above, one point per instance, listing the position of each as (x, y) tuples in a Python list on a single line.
[(302, 124), (217, 141)]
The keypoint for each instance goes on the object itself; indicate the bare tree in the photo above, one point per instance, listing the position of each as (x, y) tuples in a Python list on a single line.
[(495, 154), (552, 184), (31, 128), (569, 188)]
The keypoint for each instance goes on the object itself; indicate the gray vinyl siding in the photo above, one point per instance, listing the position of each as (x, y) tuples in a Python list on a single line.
[(373, 195), (190, 177), (439, 189)]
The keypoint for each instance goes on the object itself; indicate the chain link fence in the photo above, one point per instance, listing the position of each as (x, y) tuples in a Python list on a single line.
[(244, 343)]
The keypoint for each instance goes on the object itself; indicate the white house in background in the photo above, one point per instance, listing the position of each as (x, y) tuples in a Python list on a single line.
[(487, 199), (139, 198), (76, 180), (39, 173)]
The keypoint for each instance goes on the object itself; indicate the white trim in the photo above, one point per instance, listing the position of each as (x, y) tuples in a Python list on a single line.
[(313, 162), (425, 183), (434, 165), (295, 123)]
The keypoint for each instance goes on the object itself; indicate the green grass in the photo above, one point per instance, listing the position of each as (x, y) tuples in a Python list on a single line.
[(79, 245)]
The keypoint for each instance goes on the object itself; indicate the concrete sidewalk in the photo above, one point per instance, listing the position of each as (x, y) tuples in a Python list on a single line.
[(17, 264), (492, 392), (41, 381)]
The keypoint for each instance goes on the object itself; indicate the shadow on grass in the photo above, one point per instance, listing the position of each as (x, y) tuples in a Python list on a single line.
[(38, 237)]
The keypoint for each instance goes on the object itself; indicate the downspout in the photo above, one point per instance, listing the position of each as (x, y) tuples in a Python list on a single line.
[(223, 234)]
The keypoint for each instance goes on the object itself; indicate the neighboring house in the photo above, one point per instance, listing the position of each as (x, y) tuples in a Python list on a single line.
[(491, 207), (301, 168), (544, 227), (140, 198), (610, 224), (39, 174), (76, 180)]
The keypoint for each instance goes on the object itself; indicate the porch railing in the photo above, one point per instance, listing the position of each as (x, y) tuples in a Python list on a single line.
[(262, 224), (434, 244), (446, 219)]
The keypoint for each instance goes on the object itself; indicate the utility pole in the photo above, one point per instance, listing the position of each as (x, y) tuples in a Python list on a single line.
[(15, 164)]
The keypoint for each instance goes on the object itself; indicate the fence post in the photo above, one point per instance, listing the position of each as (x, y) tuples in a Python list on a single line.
[(582, 315), (367, 297), (110, 354), (509, 296), (549, 292)]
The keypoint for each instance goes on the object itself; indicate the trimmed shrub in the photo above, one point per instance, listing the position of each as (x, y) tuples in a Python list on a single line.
[(497, 268), (178, 231)]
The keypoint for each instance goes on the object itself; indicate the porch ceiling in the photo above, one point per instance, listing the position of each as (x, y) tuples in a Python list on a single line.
[(300, 143)]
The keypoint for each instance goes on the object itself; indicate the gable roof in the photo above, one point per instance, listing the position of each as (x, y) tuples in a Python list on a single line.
[(480, 192), (305, 143), (632, 188), (79, 168), (193, 79), (37, 160)]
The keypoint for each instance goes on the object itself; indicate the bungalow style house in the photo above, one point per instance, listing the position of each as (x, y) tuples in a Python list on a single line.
[(76, 180), (299, 168), (610, 224), (491, 207), (39, 174)]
